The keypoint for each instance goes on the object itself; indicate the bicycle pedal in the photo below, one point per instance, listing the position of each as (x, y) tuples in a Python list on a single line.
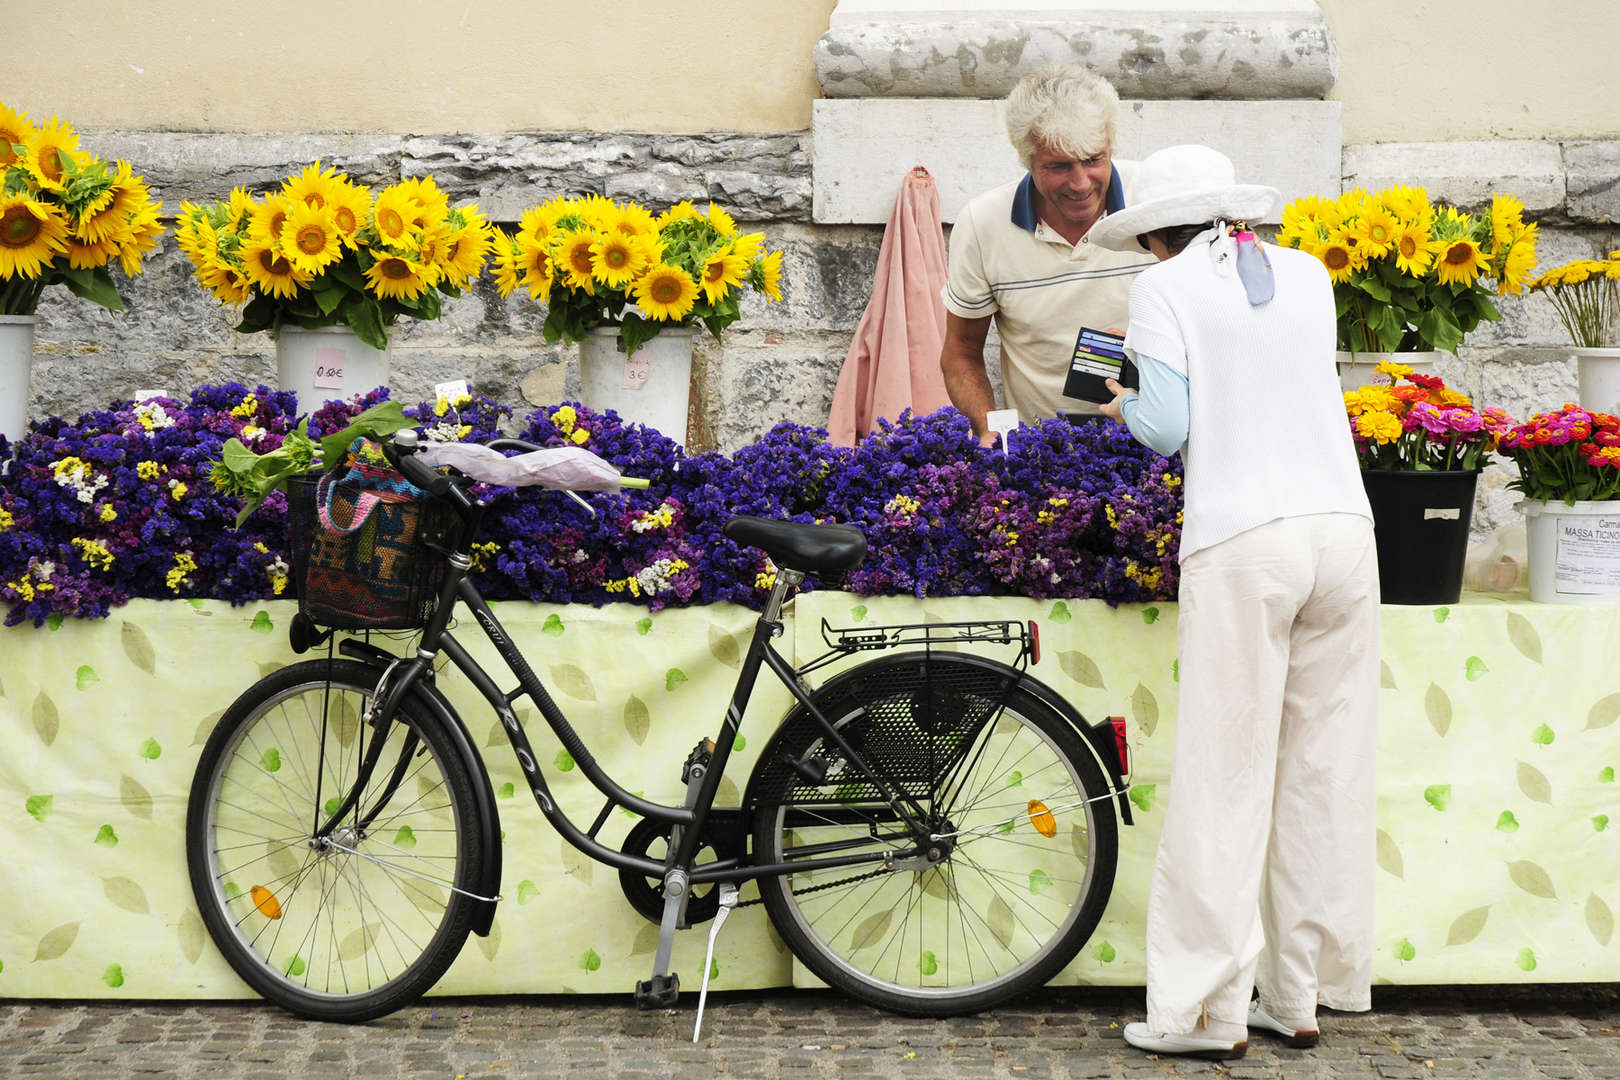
[(658, 992)]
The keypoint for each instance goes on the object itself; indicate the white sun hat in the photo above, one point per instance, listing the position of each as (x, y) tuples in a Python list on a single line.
[(1184, 185)]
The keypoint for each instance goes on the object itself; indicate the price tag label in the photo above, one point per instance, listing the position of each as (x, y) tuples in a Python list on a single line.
[(329, 369), (147, 395), (1002, 421), (637, 369), (455, 388)]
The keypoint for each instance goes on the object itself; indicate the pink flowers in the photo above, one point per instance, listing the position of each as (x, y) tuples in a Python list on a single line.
[(1420, 424), (1571, 454)]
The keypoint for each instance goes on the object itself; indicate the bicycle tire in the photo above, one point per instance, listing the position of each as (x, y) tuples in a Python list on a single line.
[(347, 932), (1007, 907)]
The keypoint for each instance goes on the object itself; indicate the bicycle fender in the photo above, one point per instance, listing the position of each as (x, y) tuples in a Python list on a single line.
[(1099, 738), (488, 826)]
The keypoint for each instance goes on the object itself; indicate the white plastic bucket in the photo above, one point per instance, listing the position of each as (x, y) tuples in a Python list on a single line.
[(653, 387), (329, 363), (1598, 371), (1574, 551), (16, 366), (1356, 368)]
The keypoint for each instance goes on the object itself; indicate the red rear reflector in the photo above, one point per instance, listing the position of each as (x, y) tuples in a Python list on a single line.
[(1034, 643), (1121, 744)]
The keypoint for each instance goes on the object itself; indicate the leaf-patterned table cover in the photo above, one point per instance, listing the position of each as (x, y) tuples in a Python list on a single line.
[(1497, 861)]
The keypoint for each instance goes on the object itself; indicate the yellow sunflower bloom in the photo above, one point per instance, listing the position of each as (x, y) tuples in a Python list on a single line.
[(1507, 219), (635, 220), (597, 212), (771, 270), (313, 186), (123, 198), (1338, 257), (467, 248), (49, 148), (393, 277), (616, 259), (87, 255), (15, 131), (271, 272), (722, 222), (535, 268), (748, 245), (679, 212), (145, 228), (722, 272), (269, 218), (32, 234), (1413, 250), (350, 206), (239, 210), (394, 216), (1410, 204), (432, 205), (1460, 261), (666, 293), (573, 258), (311, 239), (504, 250), (1375, 230), (539, 223), (228, 283), (1519, 261)]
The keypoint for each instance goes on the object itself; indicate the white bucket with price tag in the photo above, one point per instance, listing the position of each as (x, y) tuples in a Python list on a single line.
[(653, 387), (1574, 551), (329, 363)]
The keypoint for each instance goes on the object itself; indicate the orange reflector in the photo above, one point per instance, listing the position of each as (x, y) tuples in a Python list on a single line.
[(266, 902), (1042, 819)]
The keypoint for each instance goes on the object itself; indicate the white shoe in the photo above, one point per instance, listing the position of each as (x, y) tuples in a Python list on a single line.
[(1143, 1037), (1298, 1038)]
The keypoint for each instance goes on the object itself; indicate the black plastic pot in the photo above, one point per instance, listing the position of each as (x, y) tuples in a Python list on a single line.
[(1422, 521)]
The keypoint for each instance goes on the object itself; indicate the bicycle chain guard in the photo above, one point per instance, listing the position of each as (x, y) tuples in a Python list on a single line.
[(646, 894)]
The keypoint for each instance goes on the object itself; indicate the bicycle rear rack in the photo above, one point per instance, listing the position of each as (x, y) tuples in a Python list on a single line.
[(847, 640)]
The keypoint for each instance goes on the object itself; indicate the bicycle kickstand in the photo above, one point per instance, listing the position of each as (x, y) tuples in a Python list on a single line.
[(664, 987), (728, 900)]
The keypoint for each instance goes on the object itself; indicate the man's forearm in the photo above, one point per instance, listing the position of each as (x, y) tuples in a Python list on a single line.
[(968, 384)]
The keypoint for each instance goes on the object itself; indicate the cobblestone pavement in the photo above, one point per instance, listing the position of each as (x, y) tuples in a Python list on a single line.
[(1453, 1032)]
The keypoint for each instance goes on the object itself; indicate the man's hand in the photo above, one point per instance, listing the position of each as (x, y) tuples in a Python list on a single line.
[(1112, 409)]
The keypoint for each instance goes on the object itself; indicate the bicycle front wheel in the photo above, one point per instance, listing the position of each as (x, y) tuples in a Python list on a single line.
[(349, 923), (1024, 844)]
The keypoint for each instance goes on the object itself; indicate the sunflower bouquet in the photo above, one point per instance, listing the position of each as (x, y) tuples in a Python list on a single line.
[(66, 217), (323, 251), (1586, 298), (597, 263), (1408, 275), (1418, 423)]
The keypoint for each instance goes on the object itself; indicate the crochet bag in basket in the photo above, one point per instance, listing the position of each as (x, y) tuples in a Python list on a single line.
[(363, 541)]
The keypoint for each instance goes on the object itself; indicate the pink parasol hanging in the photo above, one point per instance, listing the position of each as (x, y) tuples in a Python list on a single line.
[(893, 363)]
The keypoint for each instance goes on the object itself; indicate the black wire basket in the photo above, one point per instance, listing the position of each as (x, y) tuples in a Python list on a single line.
[(385, 575)]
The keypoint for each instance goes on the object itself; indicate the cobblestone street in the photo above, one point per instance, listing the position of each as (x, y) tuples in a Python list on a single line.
[(1561, 1032)]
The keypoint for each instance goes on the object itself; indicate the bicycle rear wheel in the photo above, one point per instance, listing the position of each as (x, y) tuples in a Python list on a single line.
[(354, 925), (1025, 850)]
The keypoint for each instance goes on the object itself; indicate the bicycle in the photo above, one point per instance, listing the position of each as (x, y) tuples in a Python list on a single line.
[(929, 830)]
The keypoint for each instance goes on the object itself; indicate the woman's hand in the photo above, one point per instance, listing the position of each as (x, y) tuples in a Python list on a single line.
[(1111, 409)]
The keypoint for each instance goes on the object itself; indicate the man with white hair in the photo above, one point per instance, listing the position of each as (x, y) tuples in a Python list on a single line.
[(1020, 255)]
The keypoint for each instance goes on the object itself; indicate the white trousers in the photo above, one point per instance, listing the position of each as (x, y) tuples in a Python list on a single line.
[(1264, 874)]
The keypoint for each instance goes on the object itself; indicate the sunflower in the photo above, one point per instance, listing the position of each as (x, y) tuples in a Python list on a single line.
[(635, 220), (1339, 258), (666, 293), (539, 223), (32, 234), (770, 282), (432, 206), (49, 149), (597, 212), (533, 266), (748, 245), (311, 238), (722, 222), (1507, 220), (681, 211), (1410, 204), (89, 254), (15, 131), (1413, 249), (269, 219), (350, 205), (721, 272), (313, 187), (228, 283), (504, 250), (394, 277), (468, 246), (124, 196), (431, 253), (270, 271), (572, 255), (239, 211), (1460, 261), (1518, 262), (394, 216), (1375, 230), (616, 259)]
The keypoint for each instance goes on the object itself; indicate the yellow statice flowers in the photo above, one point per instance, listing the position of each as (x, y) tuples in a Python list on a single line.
[(323, 249), (66, 216), (1586, 297), (596, 262)]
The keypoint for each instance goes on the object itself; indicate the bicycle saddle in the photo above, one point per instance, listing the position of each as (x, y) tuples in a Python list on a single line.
[(794, 546)]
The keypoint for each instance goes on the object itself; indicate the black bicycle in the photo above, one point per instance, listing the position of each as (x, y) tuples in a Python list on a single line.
[(931, 831)]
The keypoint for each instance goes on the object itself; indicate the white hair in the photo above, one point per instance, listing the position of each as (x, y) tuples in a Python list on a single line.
[(1064, 107)]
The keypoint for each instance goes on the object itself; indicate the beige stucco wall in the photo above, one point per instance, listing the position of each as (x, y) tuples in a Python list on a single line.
[(1443, 70), (414, 66)]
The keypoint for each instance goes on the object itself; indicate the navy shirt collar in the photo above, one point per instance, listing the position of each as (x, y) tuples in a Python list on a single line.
[(1023, 204)]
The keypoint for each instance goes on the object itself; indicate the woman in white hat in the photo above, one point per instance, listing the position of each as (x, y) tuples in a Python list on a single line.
[(1264, 875)]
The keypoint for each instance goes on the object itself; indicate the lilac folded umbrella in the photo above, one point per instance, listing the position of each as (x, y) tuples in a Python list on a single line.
[(570, 468)]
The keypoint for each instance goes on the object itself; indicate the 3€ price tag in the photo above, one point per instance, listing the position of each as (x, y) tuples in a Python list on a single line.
[(637, 369), (329, 369), (450, 391), (1001, 421)]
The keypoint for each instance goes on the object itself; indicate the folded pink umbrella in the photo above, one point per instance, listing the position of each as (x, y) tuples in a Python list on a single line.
[(893, 363)]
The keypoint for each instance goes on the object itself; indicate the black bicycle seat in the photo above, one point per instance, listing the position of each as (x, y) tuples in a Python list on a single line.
[(794, 546)]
